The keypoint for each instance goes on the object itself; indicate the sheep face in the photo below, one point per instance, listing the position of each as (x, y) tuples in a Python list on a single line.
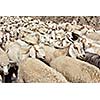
[(76, 50), (40, 53), (43, 39), (5, 69), (32, 52)]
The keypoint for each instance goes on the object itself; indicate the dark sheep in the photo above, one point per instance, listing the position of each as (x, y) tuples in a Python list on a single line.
[(2, 75), (12, 70), (92, 58)]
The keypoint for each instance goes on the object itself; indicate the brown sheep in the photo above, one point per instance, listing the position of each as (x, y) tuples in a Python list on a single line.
[(75, 70)]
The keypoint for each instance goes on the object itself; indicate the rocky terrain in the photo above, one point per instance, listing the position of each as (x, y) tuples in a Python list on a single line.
[(50, 49)]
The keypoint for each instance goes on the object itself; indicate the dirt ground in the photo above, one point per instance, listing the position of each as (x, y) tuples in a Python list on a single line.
[(94, 21)]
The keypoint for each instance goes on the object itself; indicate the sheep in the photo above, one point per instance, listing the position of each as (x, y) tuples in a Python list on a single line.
[(59, 34), (33, 70), (93, 49), (76, 71), (40, 52), (4, 61), (32, 52), (13, 52), (97, 31), (17, 53), (75, 26), (52, 52), (52, 25), (13, 71), (2, 76), (93, 36), (22, 43), (61, 26), (32, 39), (86, 29), (72, 26), (76, 50), (42, 39), (47, 39), (90, 45), (92, 58)]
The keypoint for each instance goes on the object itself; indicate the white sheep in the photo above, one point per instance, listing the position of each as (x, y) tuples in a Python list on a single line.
[(22, 43), (16, 52), (51, 53), (93, 36), (40, 52), (34, 70), (91, 45), (32, 52), (4, 61), (75, 70), (32, 39), (74, 50)]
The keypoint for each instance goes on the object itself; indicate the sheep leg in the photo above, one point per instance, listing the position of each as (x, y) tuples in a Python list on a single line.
[(3, 78)]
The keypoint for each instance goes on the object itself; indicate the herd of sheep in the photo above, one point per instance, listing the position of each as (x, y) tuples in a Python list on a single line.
[(48, 52)]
